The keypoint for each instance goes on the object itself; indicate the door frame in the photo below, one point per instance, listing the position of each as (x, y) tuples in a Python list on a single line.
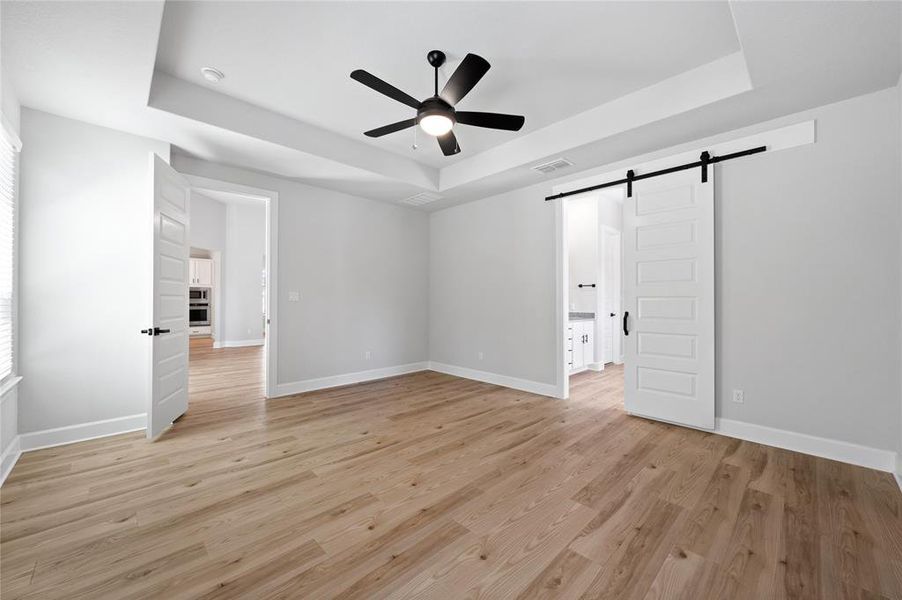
[(271, 201)]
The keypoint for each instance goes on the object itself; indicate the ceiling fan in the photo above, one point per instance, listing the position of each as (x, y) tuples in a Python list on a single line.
[(436, 115)]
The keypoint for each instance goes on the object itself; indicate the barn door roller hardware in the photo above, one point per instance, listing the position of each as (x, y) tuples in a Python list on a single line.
[(704, 161)]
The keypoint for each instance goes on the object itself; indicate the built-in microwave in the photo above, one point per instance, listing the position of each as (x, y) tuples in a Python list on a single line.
[(198, 314), (198, 294)]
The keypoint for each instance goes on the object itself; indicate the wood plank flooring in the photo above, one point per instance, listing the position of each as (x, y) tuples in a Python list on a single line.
[(430, 486)]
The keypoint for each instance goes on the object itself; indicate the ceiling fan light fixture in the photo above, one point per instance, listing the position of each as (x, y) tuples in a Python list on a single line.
[(436, 125)]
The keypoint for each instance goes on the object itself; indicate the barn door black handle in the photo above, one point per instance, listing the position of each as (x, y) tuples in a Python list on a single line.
[(158, 331), (626, 315)]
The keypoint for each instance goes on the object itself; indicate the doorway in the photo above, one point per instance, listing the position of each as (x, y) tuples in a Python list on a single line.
[(593, 287), (240, 222)]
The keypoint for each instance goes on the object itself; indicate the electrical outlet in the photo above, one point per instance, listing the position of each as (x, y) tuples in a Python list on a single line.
[(738, 396), (369, 355), (481, 355)]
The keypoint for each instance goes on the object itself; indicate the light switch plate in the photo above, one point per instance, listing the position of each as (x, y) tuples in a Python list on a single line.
[(294, 296)]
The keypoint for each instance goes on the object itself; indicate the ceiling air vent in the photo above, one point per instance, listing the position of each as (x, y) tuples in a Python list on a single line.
[(421, 199), (553, 165)]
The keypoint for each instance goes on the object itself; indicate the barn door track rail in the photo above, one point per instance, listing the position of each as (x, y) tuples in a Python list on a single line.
[(704, 161)]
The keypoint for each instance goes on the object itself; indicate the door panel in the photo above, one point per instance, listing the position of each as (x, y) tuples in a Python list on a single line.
[(668, 279), (169, 367)]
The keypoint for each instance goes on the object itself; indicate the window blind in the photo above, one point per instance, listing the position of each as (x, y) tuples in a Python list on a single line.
[(8, 183)]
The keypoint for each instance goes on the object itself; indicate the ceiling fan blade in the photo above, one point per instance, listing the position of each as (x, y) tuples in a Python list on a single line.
[(386, 129), (490, 120), (448, 144), (467, 75), (382, 87)]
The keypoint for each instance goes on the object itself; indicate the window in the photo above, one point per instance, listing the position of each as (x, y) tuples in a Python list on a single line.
[(9, 150)]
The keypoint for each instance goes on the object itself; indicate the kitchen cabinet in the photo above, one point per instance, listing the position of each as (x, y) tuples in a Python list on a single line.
[(200, 272), (580, 344)]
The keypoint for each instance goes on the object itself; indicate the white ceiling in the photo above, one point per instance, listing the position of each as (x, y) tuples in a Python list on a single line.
[(549, 60), (597, 82)]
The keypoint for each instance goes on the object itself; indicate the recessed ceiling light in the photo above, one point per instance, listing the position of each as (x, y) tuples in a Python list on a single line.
[(211, 74)]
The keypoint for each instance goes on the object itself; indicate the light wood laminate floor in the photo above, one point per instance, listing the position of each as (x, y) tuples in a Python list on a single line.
[(430, 486)]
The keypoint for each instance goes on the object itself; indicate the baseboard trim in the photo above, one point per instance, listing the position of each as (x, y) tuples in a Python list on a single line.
[(898, 480), (847, 452), (321, 383), (525, 385), (238, 343), (82, 432), (9, 458)]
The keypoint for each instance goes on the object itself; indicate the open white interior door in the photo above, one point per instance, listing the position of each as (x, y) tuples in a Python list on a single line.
[(169, 366), (668, 279)]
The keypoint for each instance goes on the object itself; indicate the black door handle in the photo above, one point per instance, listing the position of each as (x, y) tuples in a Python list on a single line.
[(613, 314), (626, 331), (154, 331)]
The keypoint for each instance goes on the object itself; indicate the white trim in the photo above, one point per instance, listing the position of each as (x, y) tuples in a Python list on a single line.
[(526, 385), (898, 480), (82, 432), (7, 386), (9, 458), (847, 452), (562, 297), (239, 343), (321, 383)]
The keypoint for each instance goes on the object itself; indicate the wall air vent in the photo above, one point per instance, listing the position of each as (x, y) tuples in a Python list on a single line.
[(421, 199), (553, 165)]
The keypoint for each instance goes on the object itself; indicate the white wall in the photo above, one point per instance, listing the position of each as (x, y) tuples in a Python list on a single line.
[(361, 268), (808, 289), (492, 285), (582, 243), (243, 263), (9, 103), (208, 223), (85, 222), (808, 279)]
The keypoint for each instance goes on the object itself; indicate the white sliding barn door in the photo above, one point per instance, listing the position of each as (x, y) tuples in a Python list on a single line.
[(169, 330), (668, 279)]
